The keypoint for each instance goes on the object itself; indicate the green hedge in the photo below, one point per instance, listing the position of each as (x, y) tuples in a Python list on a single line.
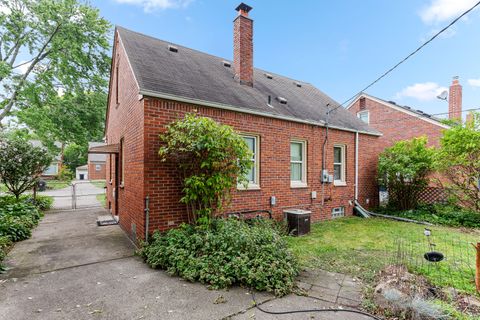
[(18, 219), (230, 252), (447, 215), (42, 202)]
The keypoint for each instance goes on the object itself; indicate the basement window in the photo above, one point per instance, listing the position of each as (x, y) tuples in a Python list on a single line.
[(172, 48), (338, 212)]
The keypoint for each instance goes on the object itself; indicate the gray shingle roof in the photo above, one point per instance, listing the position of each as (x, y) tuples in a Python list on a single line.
[(198, 76)]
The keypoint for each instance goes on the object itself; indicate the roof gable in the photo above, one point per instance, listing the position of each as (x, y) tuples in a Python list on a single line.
[(192, 76), (407, 110)]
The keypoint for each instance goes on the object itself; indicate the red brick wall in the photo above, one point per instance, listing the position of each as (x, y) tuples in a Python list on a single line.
[(162, 183), (93, 174), (125, 120), (243, 49), (395, 126)]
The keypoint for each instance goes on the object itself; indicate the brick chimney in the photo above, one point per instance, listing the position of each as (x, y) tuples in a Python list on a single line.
[(243, 45), (455, 100)]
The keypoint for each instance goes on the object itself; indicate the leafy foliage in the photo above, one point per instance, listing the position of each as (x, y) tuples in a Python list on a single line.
[(75, 155), (458, 159), (230, 252), (404, 169), (21, 164), (65, 45), (211, 159), (5, 243), (18, 219), (65, 174), (448, 215)]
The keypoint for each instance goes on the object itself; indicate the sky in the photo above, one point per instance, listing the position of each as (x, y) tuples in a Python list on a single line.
[(338, 46)]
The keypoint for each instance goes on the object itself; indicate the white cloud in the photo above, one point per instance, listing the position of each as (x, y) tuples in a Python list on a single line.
[(152, 5), (444, 10), (422, 91), (474, 82)]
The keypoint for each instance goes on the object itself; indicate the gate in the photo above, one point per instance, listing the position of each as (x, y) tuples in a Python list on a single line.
[(77, 195)]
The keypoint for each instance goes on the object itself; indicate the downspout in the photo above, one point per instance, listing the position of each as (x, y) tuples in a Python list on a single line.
[(356, 166), (147, 217), (324, 154)]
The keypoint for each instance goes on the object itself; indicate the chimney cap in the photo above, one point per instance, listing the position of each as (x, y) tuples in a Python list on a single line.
[(243, 7)]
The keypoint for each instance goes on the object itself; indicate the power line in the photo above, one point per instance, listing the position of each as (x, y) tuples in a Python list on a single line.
[(409, 56)]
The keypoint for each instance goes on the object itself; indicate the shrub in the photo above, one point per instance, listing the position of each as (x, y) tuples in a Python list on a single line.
[(42, 202), (65, 174), (449, 215), (17, 220), (404, 169), (229, 252), (21, 164), (5, 243), (211, 159)]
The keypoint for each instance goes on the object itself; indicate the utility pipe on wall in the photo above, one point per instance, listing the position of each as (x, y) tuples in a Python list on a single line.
[(147, 216), (356, 165)]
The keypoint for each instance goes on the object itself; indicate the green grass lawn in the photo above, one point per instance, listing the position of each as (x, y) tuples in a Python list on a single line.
[(98, 183), (362, 247), (57, 184), (102, 198)]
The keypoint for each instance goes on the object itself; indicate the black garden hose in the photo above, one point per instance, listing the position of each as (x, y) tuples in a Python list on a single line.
[(311, 310)]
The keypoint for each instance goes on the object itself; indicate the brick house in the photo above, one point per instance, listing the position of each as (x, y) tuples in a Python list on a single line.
[(396, 123), (284, 121), (96, 163)]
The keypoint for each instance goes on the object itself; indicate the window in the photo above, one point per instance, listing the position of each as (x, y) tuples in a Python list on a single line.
[(122, 161), (98, 167), (364, 116), (338, 212), (339, 165), (51, 170), (298, 168), (253, 175)]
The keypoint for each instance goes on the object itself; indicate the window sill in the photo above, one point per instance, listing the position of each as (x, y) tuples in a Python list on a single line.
[(340, 183), (298, 185), (249, 187)]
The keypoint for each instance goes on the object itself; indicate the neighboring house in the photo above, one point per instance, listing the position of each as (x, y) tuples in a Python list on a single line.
[(397, 123), (283, 121), (96, 163), (52, 171), (81, 173)]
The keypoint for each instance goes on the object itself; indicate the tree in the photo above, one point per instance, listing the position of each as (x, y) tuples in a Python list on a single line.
[(75, 156), (21, 164), (47, 45), (211, 159), (404, 169), (69, 119), (458, 159)]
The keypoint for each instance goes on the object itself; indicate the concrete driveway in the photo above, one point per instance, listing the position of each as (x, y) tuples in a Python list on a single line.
[(72, 269)]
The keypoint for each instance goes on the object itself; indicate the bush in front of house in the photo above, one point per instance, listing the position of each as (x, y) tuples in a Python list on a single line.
[(18, 219), (5, 243), (448, 215), (42, 202), (229, 252)]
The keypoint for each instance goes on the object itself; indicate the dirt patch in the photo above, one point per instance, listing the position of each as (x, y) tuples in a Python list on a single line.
[(401, 294)]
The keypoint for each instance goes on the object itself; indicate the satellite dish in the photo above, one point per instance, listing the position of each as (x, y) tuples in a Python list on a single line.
[(443, 95)]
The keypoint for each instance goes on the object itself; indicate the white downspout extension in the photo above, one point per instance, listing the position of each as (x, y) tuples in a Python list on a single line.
[(356, 165)]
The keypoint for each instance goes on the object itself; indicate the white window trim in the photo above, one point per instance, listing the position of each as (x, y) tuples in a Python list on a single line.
[(343, 179), (303, 183), (256, 184), (362, 113)]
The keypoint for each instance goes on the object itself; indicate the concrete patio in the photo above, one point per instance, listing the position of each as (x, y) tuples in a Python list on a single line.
[(72, 269)]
